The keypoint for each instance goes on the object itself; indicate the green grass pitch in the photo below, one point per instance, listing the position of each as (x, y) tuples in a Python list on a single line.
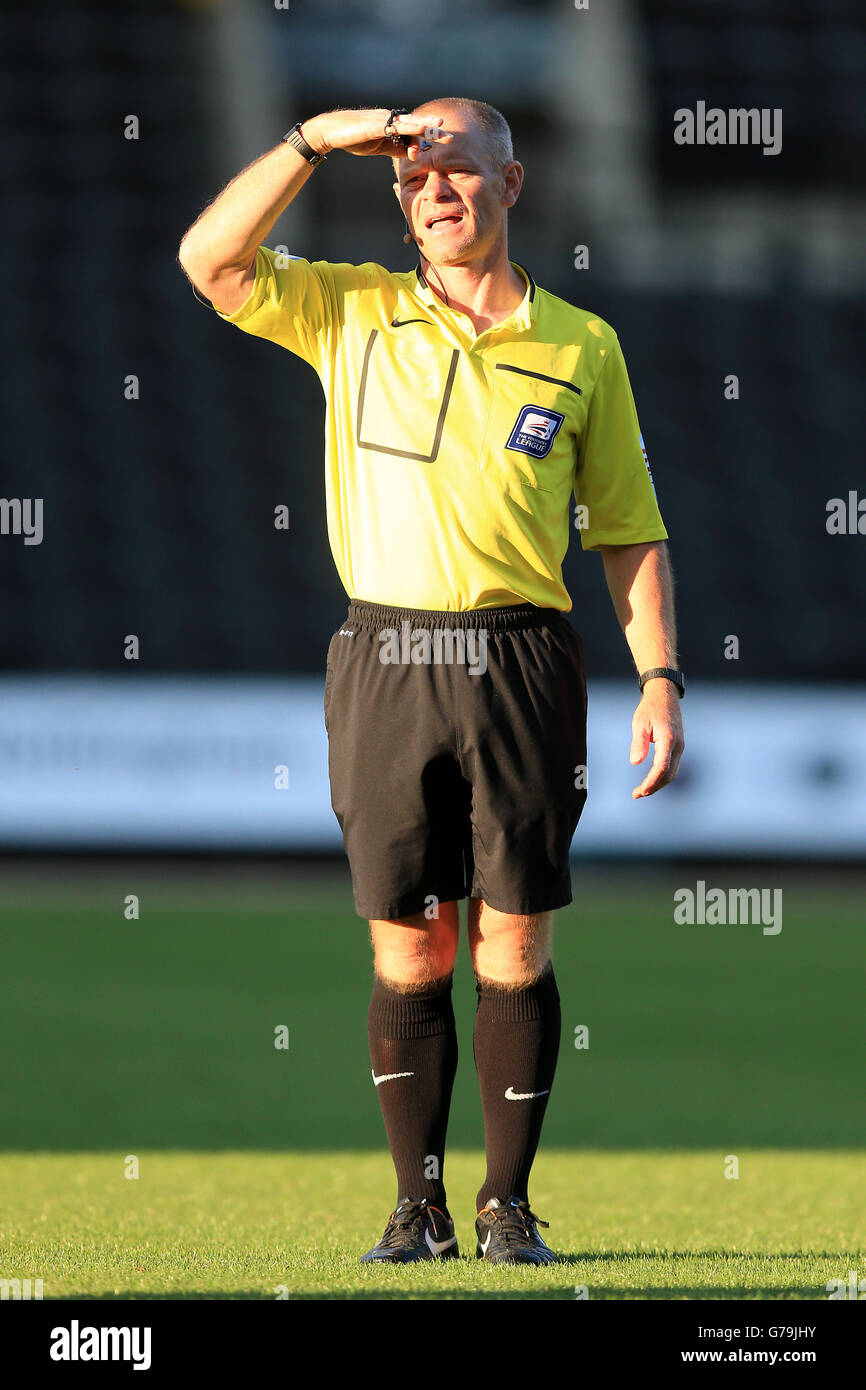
[(262, 1172)]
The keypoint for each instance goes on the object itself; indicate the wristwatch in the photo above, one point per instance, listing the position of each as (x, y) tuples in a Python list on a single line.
[(669, 673), (294, 138)]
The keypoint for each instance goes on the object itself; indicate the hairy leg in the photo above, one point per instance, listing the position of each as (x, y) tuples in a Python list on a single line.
[(508, 949), (412, 953)]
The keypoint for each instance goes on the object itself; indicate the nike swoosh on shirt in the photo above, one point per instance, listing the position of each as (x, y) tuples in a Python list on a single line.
[(400, 323), (392, 1076), (511, 1094), (437, 1246)]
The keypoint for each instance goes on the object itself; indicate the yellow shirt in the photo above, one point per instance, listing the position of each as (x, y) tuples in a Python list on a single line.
[(451, 457)]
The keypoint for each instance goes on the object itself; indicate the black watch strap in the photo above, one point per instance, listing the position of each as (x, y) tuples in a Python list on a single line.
[(669, 673), (294, 138)]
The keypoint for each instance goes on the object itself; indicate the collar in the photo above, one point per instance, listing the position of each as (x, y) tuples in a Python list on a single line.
[(523, 315)]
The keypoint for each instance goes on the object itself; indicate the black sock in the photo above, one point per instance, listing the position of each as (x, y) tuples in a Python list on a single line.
[(415, 1033), (516, 1047)]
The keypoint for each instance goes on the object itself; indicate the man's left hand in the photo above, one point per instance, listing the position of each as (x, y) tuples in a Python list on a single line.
[(657, 720)]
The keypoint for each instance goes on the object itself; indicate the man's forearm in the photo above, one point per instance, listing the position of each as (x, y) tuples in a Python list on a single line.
[(218, 252), (640, 582), (227, 234)]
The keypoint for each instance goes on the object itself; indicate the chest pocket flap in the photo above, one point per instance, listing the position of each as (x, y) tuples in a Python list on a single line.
[(403, 396), (532, 427)]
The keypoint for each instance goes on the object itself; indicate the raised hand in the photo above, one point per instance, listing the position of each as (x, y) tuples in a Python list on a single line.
[(363, 132)]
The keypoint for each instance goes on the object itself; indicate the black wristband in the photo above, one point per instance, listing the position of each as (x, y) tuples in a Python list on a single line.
[(669, 673), (294, 138)]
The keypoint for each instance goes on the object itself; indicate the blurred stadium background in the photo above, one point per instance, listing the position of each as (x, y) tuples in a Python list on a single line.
[(158, 522), (158, 511)]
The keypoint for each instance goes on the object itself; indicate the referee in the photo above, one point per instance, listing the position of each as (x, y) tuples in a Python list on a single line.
[(465, 404)]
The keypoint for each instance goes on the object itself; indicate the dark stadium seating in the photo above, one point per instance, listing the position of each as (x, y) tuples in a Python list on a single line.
[(158, 512)]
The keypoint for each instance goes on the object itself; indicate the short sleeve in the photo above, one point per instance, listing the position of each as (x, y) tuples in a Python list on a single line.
[(612, 477), (301, 305)]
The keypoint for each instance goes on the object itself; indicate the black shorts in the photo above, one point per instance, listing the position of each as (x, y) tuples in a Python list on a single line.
[(457, 752)]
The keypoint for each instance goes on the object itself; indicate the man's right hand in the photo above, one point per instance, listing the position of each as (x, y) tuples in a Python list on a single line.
[(363, 132)]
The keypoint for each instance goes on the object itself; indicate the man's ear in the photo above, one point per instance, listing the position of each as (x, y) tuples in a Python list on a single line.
[(396, 188), (512, 183)]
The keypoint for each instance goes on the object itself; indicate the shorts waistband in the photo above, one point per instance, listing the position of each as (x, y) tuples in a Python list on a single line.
[(515, 618)]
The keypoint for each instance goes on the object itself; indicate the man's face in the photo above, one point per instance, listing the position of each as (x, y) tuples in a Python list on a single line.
[(454, 200)]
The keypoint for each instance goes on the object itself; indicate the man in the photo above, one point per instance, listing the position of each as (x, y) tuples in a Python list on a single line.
[(464, 404)]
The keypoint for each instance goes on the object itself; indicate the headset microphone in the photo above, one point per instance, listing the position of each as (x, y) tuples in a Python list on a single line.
[(407, 235)]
